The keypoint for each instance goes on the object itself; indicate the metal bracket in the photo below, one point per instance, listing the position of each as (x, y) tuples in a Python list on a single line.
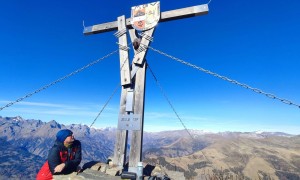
[(139, 57), (120, 33), (129, 100)]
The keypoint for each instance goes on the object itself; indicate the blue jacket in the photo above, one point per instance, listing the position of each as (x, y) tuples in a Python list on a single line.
[(60, 154)]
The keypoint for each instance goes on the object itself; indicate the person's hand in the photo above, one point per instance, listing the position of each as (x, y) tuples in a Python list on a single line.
[(59, 168)]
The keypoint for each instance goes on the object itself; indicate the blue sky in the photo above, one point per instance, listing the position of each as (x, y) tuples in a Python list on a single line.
[(252, 42)]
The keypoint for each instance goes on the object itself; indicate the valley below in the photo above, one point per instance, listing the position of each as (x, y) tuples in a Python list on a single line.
[(243, 155)]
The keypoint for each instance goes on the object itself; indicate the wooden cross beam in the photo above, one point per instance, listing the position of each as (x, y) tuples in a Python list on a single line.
[(131, 116), (165, 16)]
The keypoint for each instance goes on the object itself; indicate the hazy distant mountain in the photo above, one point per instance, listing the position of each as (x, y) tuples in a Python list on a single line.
[(228, 155), (25, 145), (38, 137), (32, 139)]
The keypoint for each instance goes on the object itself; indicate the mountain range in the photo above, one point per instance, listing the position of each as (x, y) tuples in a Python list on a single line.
[(198, 154)]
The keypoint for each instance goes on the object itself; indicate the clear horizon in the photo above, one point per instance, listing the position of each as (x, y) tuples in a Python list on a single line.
[(161, 130)]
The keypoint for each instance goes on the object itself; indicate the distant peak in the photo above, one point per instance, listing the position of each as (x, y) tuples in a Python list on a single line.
[(259, 132), (54, 124), (108, 129), (17, 118)]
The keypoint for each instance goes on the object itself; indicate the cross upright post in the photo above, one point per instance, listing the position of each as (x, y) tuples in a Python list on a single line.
[(131, 115)]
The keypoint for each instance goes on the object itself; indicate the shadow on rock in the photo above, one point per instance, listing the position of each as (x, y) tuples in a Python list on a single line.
[(89, 165)]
